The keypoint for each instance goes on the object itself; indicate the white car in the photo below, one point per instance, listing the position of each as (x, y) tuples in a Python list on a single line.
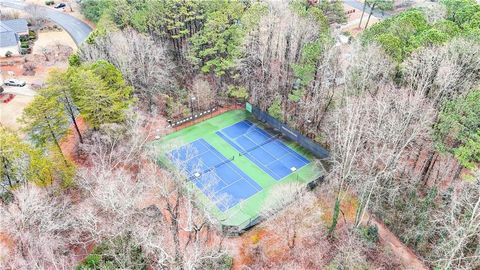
[(14, 82)]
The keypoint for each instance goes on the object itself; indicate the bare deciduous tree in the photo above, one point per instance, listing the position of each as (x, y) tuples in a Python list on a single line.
[(369, 69), (128, 197), (433, 11), (284, 218), (37, 15), (203, 93), (349, 253), (143, 62), (458, 226), (320, 94), (37, 224), (267, 66), (369, 137), (444, 72)]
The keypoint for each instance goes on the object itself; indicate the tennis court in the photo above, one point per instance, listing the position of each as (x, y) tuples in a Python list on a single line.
[(263, 149), (218, 178), (234, 167)]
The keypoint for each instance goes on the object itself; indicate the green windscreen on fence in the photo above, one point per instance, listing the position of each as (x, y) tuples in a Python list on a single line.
[(248, 107)]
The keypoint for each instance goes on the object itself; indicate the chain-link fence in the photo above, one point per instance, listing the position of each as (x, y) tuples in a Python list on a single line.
[(251, 222)]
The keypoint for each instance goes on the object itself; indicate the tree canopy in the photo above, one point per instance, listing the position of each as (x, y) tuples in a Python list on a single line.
[(101, 93), (21, 163), (458, 126), (404, 33)]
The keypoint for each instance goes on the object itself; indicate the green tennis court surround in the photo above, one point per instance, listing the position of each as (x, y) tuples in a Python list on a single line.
[(233, 183)]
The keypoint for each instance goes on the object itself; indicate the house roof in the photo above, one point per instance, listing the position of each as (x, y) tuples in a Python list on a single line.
[(5, 28), (9, 31), (17, 25), (8, 38)]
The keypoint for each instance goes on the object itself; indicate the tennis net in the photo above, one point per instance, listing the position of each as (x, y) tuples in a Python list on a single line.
[(198, 174), (273, 138)]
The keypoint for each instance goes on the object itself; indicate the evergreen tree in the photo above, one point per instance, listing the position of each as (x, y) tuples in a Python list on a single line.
[(59, 88), (216, 47), (45, 121), (457, 129), (101, 93)]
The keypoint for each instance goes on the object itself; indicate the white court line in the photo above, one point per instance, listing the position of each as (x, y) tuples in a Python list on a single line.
[(221, 156)]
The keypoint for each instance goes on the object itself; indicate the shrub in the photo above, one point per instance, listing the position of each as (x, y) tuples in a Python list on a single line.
[(74, 60), (224, 262), (255, 238), (239, 93), (32, 35), (175, 108), (7, 196), (91, 262), (49, 2), (275, 109), (101, 257), (370, 233)]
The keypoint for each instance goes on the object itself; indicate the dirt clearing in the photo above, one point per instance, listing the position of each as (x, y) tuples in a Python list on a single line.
[(9, 112), (52, 39)]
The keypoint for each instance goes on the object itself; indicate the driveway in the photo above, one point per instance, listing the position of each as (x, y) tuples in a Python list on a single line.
[(75, 27), (22, 91)]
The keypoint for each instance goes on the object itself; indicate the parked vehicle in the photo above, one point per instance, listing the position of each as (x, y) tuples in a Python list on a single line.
[(14, 82), (60, 5), (1, 89)]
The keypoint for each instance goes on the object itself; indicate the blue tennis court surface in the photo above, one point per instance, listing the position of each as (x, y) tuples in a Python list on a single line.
[(268, 153), (218, 178)]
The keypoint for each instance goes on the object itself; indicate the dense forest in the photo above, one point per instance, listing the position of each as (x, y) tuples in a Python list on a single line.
[(398, 108)]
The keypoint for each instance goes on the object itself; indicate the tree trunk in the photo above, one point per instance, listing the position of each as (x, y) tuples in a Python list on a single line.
[(426, 166), (457, 172), (6, 171), (336, 211), (293, 238), (363, 12), (175, 232), (56, 142), (72, 115), (417, 156), (369, 15), (77, 129), (432, 165)]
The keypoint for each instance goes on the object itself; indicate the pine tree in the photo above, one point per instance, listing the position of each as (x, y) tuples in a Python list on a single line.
[(457, 129), (101, 94), (45, 122), (59, 87), (216, 47)]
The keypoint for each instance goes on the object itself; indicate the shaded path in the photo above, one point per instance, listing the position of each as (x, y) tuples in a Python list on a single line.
[(401, 251)]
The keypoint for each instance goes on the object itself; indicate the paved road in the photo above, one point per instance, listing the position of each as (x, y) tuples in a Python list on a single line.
[(75, 27), (359, 5)]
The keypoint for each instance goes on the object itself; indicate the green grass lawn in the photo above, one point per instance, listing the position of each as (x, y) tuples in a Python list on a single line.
[(243, 213)]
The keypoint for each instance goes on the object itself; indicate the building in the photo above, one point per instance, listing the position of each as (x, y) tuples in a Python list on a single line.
[(10, 33)]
